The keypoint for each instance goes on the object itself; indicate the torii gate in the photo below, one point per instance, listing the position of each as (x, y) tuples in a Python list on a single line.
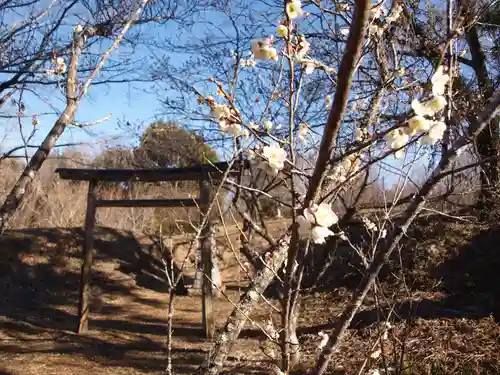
[(201, 173)]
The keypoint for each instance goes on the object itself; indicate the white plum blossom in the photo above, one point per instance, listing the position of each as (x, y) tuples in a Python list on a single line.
[(294, 9), (328, 101), (305, 226), (282, 31), (375, 354), (397, 139), (232, 128), (437, 103), (228, 118), (369, 224), (325, 216), (319, 234), (378, 10), (348, 165), (359, 135), (436, 133), (221, 110), (268, 125), (275, 157), (309, 67), (302, 47), (262, 49), (303, 130), (421, 109), (396, 12), (418, 124), (428, 107), (315, 221), (344, 30), (439, 81), (374, 30), (309, 214), (343, 7), (253, 295), (60, 67)]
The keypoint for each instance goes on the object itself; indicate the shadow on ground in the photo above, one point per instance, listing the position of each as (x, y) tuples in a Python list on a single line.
[(456, 265), (39, 282)]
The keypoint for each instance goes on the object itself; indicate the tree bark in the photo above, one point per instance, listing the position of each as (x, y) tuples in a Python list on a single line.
[(227, 336), (488, 140), (344, 321), (18, 193)]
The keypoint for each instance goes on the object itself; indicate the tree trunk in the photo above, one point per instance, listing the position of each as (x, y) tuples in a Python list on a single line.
[(18, 193), (73, 97), (382, 256), (227, 336), (487, 142), (291, 349)]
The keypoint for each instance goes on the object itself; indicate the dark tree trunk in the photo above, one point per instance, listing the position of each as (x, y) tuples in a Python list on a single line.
[(488, 139)]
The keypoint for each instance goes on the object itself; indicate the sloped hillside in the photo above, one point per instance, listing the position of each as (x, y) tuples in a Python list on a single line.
[(441, 294)]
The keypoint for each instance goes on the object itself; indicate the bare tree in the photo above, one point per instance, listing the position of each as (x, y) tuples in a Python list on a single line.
[(105, 22)]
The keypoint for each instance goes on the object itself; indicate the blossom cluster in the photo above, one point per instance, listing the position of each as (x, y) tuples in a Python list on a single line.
[(228, 117), (263, 49), (424, 120), (59, 67), (343, 169), (377, 12), (271, 159), (316, 221)]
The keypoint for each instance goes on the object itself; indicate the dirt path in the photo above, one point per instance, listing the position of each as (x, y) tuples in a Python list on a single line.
[(444, 330), (39, 283)]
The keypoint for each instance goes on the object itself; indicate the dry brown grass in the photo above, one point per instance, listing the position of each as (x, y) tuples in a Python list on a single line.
[(56, 203)]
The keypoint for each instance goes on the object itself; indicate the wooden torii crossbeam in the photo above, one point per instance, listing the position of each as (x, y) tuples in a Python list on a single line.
[(202, 173)]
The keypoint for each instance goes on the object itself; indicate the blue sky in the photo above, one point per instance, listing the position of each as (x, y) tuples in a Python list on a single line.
[(131, 102), (127, 102)]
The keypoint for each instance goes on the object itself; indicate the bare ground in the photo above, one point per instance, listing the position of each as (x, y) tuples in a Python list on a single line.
[(443, 313)]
